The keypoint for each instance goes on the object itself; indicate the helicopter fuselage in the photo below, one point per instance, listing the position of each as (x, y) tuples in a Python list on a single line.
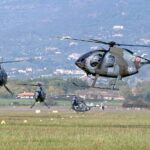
[(115, 62), (40, 95), (111, 63), (3, 76)]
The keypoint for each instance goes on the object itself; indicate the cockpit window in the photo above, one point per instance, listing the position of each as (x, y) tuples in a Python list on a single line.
[(111, 58), (94, 64), (110, 61), (87, 55), (96, 60), (92, 52)]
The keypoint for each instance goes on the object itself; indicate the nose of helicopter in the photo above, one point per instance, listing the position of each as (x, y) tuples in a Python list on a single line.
[(79, 63)]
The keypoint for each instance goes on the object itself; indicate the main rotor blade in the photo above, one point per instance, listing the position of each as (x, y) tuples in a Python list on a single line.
[(135, 45), (98, 41), (8, 90), (74, 39), (13, 61), (112, 43), (82, 40), (32, 84), (28, 84), (118, 44)]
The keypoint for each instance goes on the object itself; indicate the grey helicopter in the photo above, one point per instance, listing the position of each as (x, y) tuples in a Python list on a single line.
[(39, 94), (4, 76), (114, 62), (79, 105)]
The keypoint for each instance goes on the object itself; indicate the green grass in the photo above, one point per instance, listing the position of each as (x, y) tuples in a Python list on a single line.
[(63, 102), (29, 102), (71, 131), (8, 102)]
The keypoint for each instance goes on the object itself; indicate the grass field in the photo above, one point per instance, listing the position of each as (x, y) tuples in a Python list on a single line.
[(95, 130), (8, 102)]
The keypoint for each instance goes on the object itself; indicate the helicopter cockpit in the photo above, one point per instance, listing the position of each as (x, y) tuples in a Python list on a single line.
[(90, 60)]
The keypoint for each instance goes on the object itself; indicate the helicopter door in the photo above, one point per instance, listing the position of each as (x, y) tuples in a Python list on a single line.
[(110, 61)]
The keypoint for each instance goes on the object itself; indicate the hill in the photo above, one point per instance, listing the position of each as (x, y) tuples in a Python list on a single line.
[(27, 29)]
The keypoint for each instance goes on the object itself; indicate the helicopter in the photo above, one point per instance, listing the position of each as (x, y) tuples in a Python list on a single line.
[(4, 76), (79, 105), (115, 62), (39, 94)]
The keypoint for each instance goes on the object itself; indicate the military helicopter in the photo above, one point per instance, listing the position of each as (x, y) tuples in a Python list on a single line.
[(114, 62), (79, 105), (4, 76), (39, 94)]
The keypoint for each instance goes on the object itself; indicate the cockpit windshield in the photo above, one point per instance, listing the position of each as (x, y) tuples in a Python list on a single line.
[(101, 53)]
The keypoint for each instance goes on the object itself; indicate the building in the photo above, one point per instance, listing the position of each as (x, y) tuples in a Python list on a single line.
[(25, 95), (97, 94)]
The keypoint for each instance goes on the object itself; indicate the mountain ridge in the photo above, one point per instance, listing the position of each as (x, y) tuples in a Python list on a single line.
[(27, 28)]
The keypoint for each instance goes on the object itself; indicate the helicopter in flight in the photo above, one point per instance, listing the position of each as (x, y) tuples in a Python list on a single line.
[(39, 94), (114, 62), (4, 76)]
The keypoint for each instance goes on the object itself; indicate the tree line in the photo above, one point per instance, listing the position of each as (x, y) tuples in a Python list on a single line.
[(134, 96), (52, 86)]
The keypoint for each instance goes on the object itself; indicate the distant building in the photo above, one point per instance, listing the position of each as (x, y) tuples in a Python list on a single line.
[(118, 27), (22, 71), (73, 56), (25, 95), (146, 41), (68, 72), (96, 94), (29, 69)]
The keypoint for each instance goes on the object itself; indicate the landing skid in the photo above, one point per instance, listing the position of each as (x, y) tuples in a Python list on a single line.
[(33, 105), (111, 87), (43, 102)]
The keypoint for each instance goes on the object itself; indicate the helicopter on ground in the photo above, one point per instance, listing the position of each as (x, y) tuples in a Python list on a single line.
[(4, 76), (79, 105), (114, 62), (39, 94)]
